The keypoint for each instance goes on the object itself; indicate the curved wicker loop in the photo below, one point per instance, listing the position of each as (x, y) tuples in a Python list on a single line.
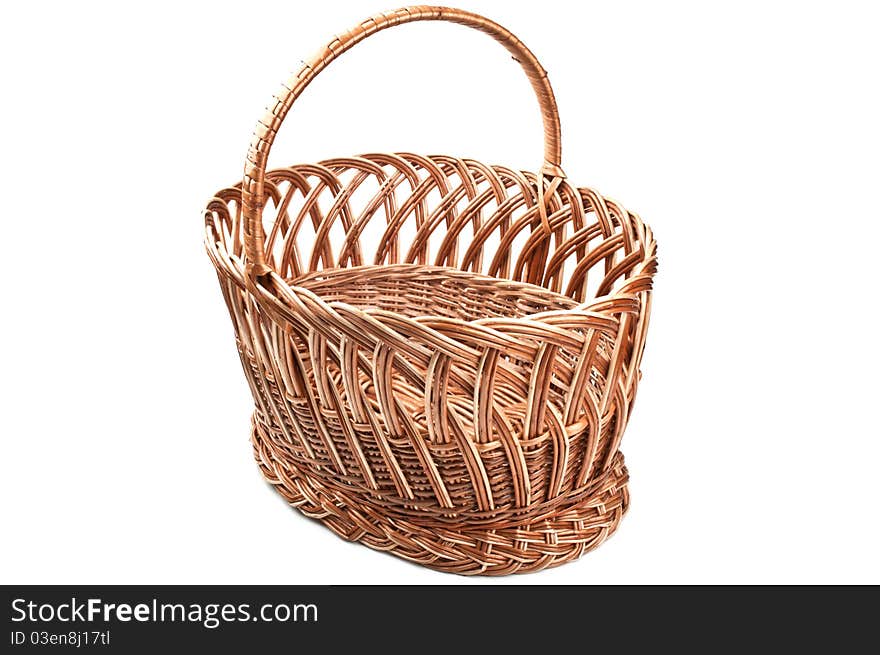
[(253, 193)]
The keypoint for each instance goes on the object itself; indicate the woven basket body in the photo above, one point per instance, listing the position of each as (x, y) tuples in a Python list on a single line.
[(443, 354)]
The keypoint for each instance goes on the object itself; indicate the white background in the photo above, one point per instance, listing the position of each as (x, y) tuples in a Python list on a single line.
[(746, 135)]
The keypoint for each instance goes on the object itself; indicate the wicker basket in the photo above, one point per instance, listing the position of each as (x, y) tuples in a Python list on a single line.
[(443, 354)]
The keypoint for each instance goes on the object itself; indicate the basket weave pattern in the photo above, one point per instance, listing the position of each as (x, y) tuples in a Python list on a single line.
[(443, 354)]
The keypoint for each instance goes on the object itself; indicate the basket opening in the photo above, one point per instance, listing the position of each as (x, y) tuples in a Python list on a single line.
[(413, 290)]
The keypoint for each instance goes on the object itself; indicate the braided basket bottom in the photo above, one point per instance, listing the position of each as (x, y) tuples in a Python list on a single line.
[(561, 531)]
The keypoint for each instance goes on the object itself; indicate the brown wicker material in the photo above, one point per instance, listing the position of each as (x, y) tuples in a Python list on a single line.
[(443, 354)]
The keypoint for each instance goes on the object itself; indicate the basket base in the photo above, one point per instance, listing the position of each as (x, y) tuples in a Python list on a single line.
[(519, 547)]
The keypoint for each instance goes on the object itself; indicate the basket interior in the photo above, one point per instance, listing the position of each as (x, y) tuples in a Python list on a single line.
[(417, 291)]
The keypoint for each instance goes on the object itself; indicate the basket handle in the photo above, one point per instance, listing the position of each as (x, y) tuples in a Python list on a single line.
[(252, 191)]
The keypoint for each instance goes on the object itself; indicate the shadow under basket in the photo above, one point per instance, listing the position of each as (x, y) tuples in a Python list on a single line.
[(443, 354)]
